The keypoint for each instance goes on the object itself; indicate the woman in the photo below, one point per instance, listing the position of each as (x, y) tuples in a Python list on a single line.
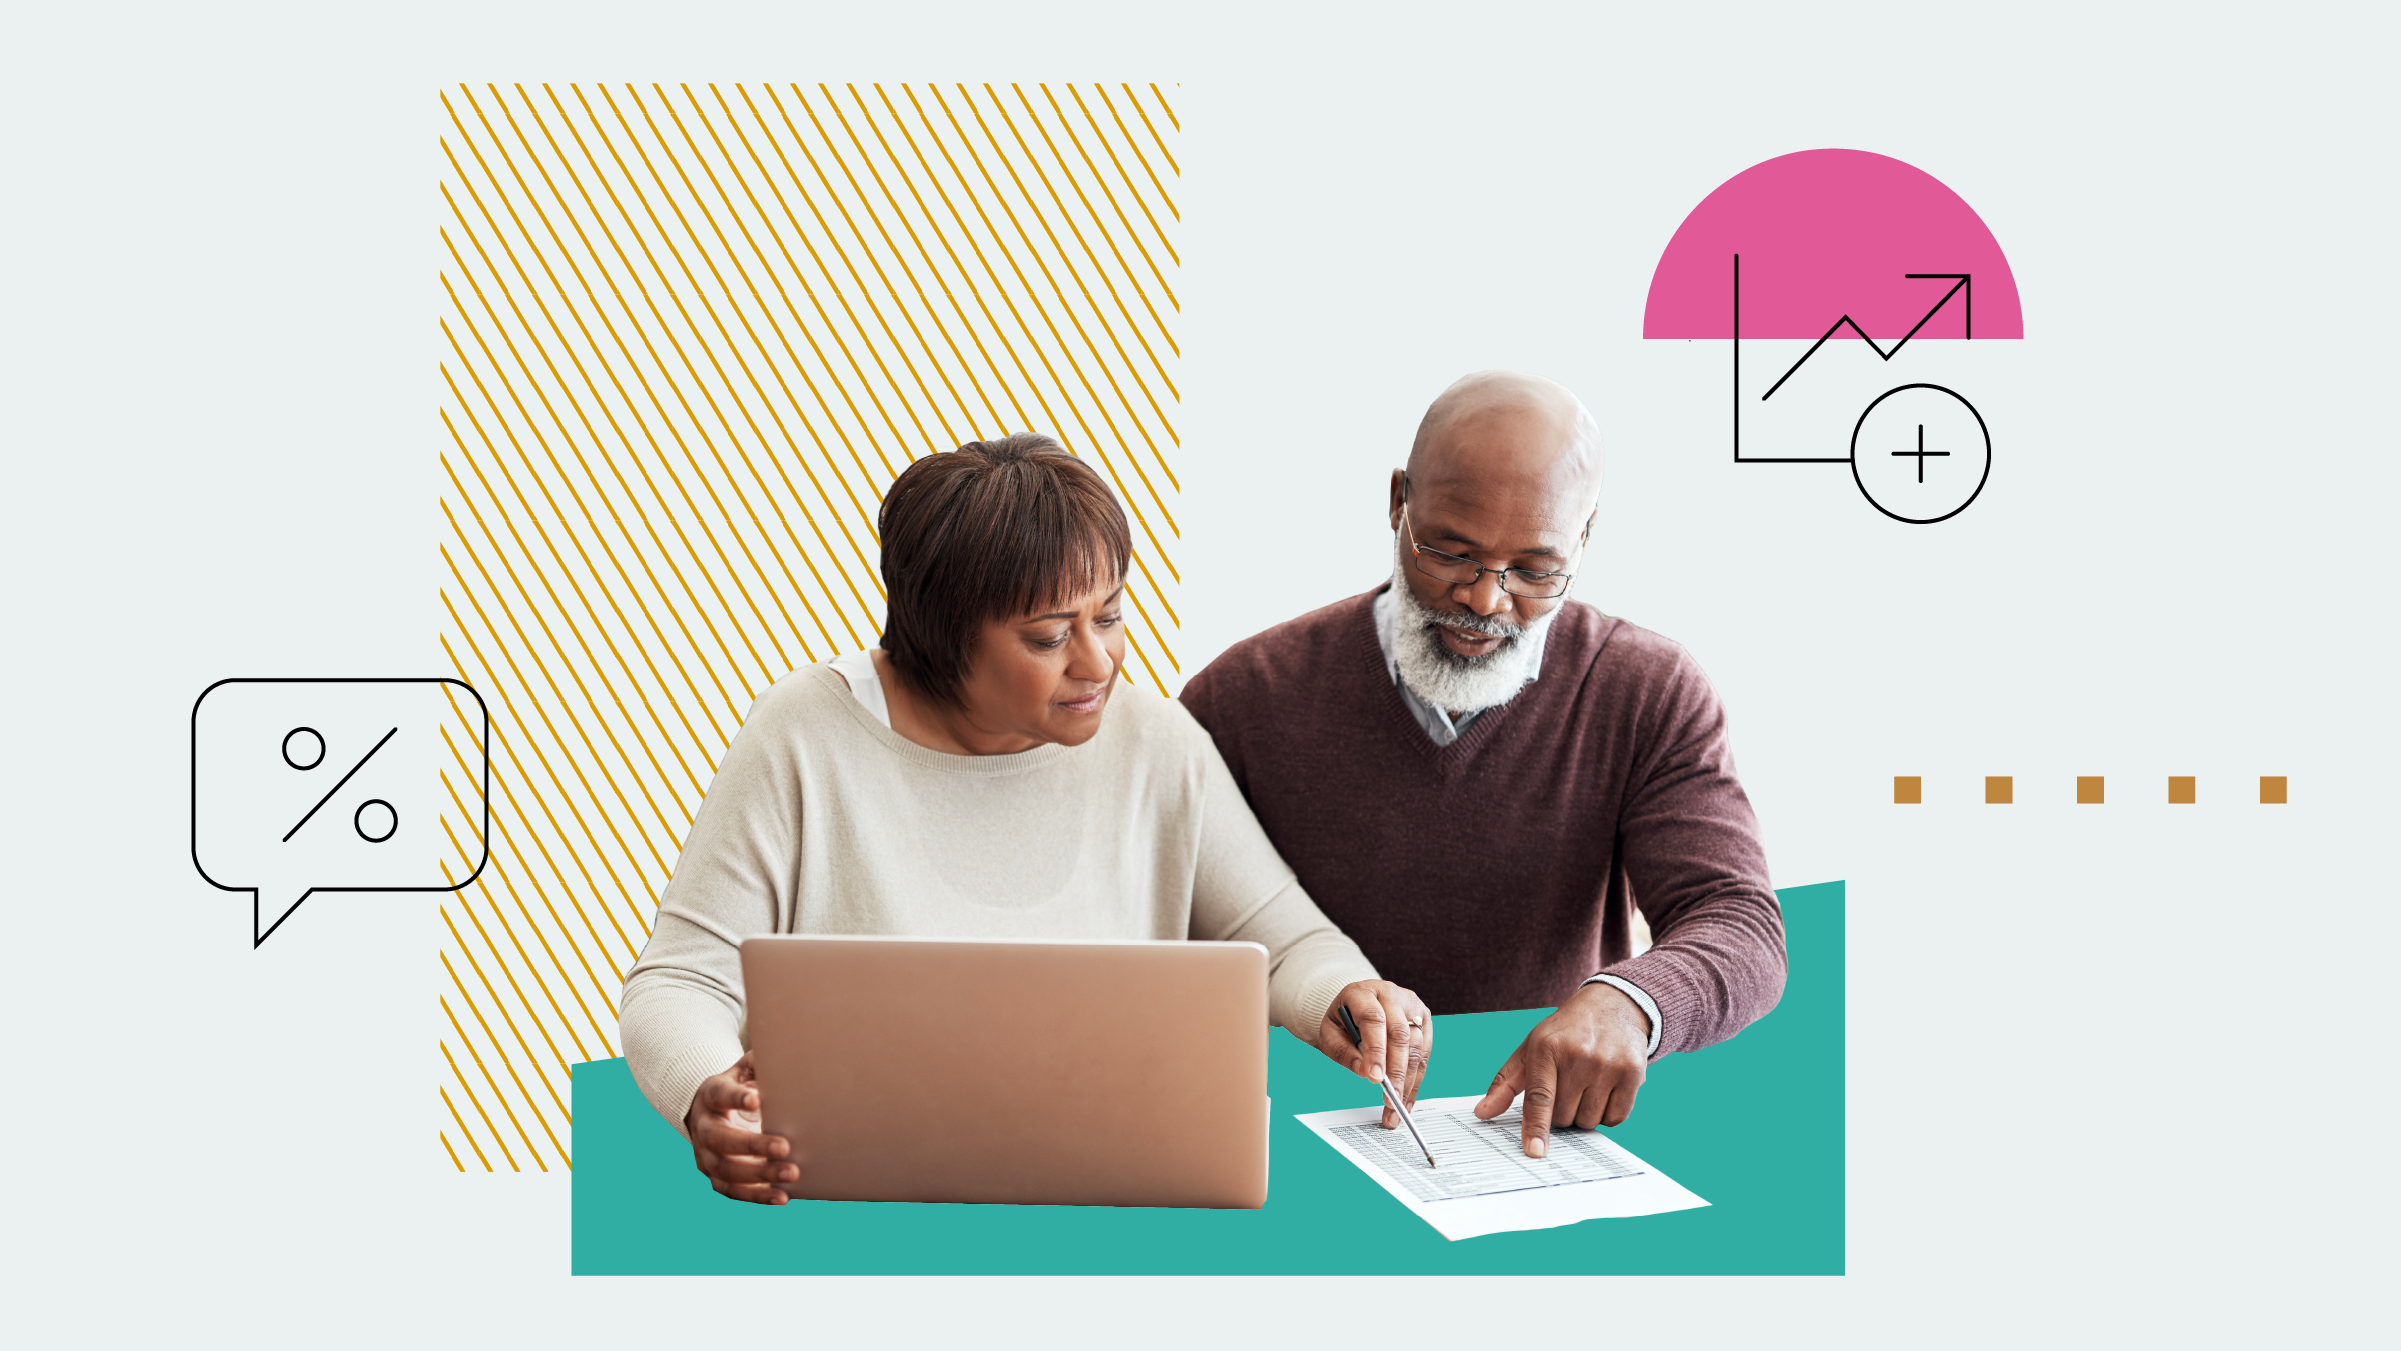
[(960, 780)]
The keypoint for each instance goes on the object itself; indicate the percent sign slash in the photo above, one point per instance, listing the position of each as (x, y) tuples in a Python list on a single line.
[(354, 769)]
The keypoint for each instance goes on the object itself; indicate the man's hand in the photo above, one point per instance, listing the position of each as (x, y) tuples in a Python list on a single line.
[(1396, 1037), (727, 1145), (1581, 1065)]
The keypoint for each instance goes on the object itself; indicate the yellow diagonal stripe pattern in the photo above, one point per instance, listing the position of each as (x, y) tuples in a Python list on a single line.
[(689, 333)]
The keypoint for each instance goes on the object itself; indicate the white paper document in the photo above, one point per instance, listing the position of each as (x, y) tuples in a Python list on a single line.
[(1486, 1184)]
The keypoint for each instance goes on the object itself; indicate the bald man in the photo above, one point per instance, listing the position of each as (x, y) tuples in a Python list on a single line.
[(1483, 781)]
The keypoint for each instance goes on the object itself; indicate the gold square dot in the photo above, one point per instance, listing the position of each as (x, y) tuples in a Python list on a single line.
[(2271, 788), (1998, 788), (2088, 788), (2180, 788), (1907, 788)]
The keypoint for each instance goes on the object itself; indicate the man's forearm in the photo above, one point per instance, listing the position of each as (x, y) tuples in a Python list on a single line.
[(1718, 966)]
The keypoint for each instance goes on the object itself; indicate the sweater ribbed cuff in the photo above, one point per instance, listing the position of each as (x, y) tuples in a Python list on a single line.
[(1316, 994), (670, 1086), (1683, 1006)]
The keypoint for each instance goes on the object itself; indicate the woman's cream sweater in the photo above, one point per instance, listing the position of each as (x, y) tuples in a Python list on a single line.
[(823, 820)]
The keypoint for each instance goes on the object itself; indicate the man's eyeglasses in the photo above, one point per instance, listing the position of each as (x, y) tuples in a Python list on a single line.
[(1457, 571)]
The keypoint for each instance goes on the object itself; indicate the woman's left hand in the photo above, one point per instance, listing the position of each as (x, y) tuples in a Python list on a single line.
[(1396, 1037)]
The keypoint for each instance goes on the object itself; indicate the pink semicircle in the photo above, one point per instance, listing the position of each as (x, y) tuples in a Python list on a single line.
[(1828, 233)]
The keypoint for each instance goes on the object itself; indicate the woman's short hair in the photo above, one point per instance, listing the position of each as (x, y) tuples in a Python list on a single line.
[(992, 530)]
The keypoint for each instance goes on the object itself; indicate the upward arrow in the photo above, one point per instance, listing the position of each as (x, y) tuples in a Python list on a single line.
[(1959, 283)]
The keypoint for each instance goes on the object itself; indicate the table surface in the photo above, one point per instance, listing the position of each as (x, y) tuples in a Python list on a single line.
[(1754, 1125)]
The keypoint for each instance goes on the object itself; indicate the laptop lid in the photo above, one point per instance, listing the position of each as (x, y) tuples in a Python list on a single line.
[(1080, 1072)]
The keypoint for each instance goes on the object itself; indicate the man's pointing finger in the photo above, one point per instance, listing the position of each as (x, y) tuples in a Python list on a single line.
[(1541, 1090)]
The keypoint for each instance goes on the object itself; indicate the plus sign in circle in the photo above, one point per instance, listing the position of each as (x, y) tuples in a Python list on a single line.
[(1921, 453)]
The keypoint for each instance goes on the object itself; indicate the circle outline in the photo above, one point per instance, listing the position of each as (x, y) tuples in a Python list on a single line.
[(1861, 425), (286, 748), (362, 830)]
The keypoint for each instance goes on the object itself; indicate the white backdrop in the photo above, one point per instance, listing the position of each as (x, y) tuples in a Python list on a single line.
[(2115, 1072)]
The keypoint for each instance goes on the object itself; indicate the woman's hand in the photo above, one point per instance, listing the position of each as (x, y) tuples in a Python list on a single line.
[(1396, 1037), (727, 1145)]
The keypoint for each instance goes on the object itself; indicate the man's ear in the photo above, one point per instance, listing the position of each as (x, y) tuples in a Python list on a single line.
[(1400, 494)]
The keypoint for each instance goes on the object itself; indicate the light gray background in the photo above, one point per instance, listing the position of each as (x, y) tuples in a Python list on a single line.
[(2116, 1073)]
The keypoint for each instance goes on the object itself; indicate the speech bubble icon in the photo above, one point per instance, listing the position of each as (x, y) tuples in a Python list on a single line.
[(302, 786)]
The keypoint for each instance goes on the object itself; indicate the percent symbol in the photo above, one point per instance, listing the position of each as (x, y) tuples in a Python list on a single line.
[(358, 820)]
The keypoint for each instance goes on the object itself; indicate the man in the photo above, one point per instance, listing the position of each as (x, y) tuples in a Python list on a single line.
[(1481, 780)]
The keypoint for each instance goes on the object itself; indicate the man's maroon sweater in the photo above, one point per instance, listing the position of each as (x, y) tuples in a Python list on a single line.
[(1500, 871)]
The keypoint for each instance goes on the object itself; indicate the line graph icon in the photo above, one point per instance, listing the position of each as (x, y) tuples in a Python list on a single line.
[(1839, 245), (1960, 284), (307, 786)]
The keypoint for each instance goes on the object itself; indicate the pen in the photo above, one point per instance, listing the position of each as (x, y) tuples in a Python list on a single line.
[(1392, 1097)]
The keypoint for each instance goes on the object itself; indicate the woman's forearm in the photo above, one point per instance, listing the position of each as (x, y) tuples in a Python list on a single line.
[(1308, 959), (679, 1027)]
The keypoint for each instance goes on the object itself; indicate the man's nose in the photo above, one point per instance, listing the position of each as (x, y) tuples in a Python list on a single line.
[(1484, 594)]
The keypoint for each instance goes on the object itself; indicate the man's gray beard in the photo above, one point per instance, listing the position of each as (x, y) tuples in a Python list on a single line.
[(1447, 680)]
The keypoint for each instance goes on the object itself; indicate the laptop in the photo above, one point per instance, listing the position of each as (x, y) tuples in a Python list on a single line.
[(1023, 1072)]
